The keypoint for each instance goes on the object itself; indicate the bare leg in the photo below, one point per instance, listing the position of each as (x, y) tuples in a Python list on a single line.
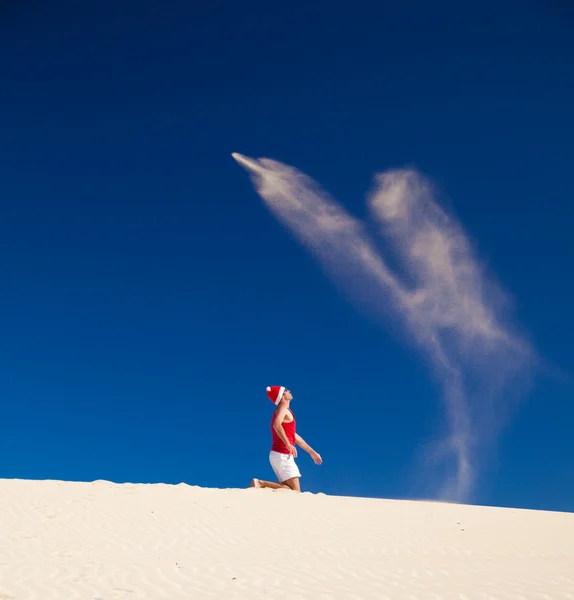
[(293, 484), (259, 483)]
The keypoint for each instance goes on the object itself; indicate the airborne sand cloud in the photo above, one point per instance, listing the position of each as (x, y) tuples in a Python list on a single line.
[(448, 307)]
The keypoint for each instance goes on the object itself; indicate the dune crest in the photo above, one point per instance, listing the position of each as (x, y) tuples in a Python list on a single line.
[(104, 541)]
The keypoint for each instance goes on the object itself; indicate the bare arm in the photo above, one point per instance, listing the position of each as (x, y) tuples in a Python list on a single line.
[(278, 426), (301, 442), (314, 455)]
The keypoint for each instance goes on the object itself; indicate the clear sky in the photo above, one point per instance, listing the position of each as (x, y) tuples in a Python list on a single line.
[(148, 296)]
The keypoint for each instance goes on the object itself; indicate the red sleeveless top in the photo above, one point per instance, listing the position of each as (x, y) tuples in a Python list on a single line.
[(289, 429)]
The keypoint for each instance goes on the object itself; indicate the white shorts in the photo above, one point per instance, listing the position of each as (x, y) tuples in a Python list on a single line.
[(284, 466)]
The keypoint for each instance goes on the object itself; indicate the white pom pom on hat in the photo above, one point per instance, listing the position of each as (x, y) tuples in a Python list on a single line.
[(275, 393)]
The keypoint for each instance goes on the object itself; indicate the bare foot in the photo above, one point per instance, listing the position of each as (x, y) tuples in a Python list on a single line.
[(255, 483)]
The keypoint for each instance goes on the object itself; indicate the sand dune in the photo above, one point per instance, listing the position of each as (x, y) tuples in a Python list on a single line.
[(104, 541)]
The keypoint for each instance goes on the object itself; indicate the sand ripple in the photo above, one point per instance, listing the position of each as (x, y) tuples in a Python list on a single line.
[(103, 541)]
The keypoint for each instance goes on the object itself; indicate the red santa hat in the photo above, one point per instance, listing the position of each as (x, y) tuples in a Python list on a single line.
[(275, 393)]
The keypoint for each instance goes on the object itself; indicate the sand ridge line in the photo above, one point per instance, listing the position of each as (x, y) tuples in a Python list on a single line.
[(104, 540)]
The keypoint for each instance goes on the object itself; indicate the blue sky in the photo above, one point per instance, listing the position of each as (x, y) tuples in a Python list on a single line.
[(148, 296)]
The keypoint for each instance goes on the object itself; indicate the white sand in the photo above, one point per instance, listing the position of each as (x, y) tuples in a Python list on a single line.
[(102, 541)]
